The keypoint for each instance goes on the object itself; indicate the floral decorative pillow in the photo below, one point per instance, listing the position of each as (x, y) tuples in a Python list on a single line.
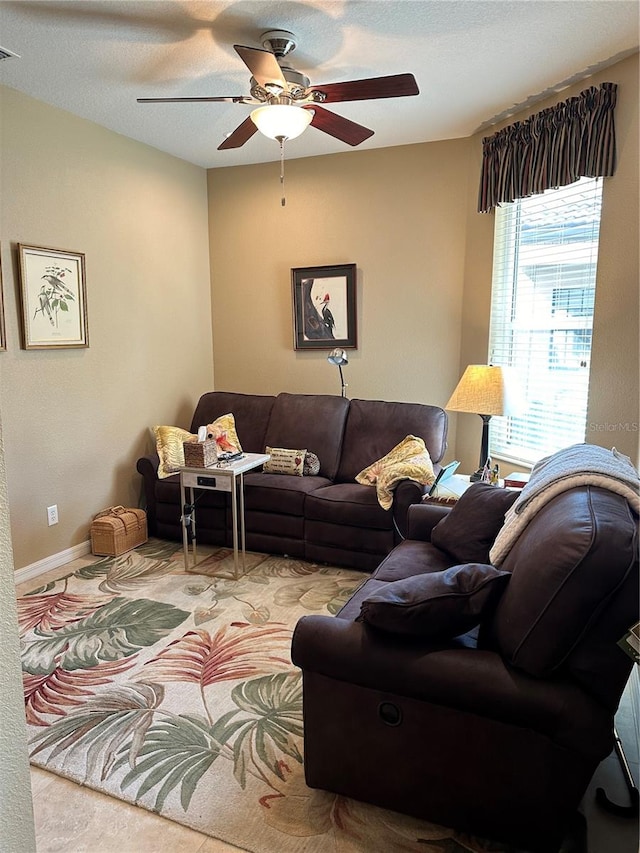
[(223, 430), (409, 460), (285, 461), (169, 441)]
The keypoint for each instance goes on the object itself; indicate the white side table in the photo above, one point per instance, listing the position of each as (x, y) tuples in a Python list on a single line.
[(222, 477)]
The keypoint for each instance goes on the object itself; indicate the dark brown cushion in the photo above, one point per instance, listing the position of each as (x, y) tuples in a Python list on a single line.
[(313, 421), (469, 530), (436, 605), (374, 427), (250, 411)]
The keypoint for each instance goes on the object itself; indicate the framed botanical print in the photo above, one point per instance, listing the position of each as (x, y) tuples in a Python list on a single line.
[(324, 307), (54, 298)]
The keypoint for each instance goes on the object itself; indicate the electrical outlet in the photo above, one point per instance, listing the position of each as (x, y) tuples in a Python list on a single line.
[(52, 514)]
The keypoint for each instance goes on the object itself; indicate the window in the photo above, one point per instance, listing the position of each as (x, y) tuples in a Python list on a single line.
[(544, 277)]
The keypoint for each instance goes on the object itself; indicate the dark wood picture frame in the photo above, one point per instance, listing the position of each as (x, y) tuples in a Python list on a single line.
[(324, 307)]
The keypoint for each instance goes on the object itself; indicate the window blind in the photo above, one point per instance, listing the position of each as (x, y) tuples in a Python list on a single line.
[(543, 293)]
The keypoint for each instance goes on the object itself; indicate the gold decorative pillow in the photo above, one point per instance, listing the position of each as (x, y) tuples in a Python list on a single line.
[(284, 461), (409, 460), (169, 446), (223, 430)]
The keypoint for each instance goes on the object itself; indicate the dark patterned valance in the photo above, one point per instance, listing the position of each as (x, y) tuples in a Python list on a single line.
[(552, 148)]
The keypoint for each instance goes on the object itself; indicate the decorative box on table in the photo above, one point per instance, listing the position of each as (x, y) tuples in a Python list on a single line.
[(118, 529), (200, 454)]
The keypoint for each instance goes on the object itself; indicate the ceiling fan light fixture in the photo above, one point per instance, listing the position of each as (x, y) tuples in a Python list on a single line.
[(281, 121)]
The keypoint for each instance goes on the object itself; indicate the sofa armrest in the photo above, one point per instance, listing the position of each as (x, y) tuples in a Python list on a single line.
[(422, 518), (352, 651), (450, 674), (148, 467), (407, 493)]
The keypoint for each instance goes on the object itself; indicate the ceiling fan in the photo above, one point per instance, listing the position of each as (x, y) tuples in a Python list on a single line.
[(286, 103)]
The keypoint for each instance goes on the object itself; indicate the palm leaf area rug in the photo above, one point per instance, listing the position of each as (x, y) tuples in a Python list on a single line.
[(175, 691)]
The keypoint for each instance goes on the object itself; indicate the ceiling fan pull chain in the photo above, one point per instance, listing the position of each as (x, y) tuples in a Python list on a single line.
[(283, 200)]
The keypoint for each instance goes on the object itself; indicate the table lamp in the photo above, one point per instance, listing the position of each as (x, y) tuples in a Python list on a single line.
[(339, 357), (486, 390)]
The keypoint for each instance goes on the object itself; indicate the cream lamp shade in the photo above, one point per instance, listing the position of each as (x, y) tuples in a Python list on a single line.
[(486, 390), (281, 121)]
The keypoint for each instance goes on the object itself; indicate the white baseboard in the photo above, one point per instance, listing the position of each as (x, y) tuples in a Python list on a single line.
[(27, 573)]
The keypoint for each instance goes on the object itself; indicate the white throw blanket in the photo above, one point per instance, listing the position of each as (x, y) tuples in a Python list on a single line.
[(578, 465)]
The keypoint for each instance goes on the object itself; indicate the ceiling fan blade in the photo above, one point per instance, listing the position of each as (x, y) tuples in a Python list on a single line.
[(240, 99), (263, 65), (395, 86), (240, 135), (338, 126)]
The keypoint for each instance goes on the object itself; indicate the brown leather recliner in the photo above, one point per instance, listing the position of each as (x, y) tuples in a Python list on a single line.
[(496, 732)]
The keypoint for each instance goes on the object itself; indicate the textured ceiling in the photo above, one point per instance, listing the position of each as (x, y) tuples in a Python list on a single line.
[(473, 61)]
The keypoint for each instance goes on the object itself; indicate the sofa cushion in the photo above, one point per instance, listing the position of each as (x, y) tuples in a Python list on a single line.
[(285, 461), (373, 426), (340, 545), (169, 441), (567, 565), (413, 557), (469, 530), (349, 505), (312, 421), (284, 494), (438, 604), (351, 608), (409, 459), (250, 411)]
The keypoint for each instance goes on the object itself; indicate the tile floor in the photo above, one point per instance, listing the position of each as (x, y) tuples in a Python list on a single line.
[(73, 819)]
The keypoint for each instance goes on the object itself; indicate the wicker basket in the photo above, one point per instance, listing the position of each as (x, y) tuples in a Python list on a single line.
[(201, 454), (116, 530)]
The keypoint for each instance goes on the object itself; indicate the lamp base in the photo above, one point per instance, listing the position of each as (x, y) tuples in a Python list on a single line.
[(477, 476)]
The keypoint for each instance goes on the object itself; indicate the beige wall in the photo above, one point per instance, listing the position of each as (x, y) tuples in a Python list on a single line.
[(613, 394), (75, 421), (398, 213), (614, 405), (17, 832), (407, 216)]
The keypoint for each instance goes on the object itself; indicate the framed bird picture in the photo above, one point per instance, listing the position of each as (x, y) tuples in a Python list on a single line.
[(54, 298), (324, 307)]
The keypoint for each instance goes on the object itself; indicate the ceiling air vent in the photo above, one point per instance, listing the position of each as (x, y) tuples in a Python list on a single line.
[(7, 54)]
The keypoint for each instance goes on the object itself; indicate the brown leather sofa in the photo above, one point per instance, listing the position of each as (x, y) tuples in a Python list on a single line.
[(327, 517), (495, 730)]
